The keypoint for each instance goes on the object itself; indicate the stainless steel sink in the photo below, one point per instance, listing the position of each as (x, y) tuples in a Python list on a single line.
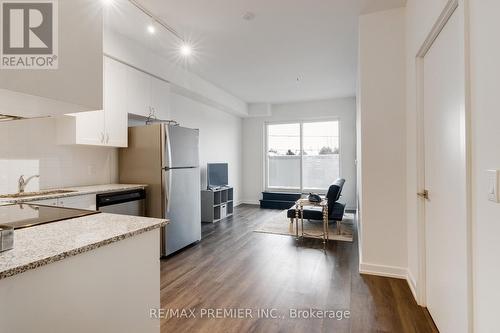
[(34, 194)]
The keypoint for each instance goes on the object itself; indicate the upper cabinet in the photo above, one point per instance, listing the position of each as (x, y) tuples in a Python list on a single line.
[(138, 92), (115, 103), (160, 98), (75, 84), (106, 127), (126, 91), (147, 95)]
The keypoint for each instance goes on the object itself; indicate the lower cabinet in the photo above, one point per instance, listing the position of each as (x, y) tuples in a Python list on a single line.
[(87, 202), (45, 202)]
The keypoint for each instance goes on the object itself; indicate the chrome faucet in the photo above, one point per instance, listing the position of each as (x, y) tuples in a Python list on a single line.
[(23, 182)]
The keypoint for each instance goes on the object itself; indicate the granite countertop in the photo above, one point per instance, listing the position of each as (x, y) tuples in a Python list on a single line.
[(44, 244), (76, 190)]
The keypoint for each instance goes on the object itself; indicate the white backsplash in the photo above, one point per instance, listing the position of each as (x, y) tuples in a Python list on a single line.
[(11, 170), (29, 147)]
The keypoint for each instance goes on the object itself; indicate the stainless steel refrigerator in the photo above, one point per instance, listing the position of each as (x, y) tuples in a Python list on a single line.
[(166, 158)]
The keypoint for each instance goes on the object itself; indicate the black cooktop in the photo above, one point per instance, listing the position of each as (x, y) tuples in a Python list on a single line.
[(28, 215)]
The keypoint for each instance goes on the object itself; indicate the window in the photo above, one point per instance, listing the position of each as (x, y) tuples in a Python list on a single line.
[(302, 156)]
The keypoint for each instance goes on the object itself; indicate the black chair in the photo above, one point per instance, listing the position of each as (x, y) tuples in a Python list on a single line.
[(335, 208)]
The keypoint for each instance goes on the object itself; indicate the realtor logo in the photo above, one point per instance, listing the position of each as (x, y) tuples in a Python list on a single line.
[(29, 38)]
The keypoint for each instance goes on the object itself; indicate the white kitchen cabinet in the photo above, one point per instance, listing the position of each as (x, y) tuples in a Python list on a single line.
[(87, 201), (84, 128), (147, 95), (138, 92), (126, 91), (106, 127), (115, 114), (45, 202), (160, 98)]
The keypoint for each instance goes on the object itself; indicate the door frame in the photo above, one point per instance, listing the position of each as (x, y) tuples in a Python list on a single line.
[(459, 7)]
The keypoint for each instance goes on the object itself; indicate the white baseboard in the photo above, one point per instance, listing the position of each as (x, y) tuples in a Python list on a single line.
[(381, 270), (412, 283), (392, 272)]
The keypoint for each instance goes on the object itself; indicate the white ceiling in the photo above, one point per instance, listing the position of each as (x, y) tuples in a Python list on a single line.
[(260, 60)]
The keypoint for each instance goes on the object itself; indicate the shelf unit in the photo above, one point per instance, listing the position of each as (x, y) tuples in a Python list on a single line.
[(217, 204)]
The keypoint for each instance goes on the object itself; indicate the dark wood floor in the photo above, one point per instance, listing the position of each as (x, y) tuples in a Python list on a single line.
[(234, 267)]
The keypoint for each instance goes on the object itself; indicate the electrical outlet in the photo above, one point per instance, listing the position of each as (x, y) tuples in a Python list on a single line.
[(493, 185)]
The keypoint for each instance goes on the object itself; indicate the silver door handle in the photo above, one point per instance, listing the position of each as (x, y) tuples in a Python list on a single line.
[(169, 189), (102, 137), (169, 147), (107, 137)]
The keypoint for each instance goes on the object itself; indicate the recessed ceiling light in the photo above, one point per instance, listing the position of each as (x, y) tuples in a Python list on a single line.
[(151, 28), (108, 2), (186, 50), (248, 16)]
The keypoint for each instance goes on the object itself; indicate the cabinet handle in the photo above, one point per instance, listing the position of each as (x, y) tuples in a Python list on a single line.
[(107, 137), (102, 137)]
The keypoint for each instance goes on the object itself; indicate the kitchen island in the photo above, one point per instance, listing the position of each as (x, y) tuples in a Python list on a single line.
[(98, 273)]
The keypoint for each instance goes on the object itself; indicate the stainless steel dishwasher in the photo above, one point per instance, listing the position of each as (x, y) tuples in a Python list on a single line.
[(130, 202)]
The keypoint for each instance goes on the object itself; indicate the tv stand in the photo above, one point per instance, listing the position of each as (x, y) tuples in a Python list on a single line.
[(217, 204)]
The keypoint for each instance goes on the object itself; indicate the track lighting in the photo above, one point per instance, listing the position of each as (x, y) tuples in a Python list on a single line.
[(186, 50), (151, 29)]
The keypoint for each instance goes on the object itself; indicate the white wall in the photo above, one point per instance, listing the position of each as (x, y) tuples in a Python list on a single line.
[(59, 166), (485, 71), (381, 110), (343, 109)]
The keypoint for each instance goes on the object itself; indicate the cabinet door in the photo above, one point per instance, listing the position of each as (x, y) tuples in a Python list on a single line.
[(115, 113), (45, 202), (87, 202), (160, 98), (90, 128), (138, 95)]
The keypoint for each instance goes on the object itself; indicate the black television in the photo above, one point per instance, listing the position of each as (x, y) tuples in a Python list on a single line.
[(217, 174)]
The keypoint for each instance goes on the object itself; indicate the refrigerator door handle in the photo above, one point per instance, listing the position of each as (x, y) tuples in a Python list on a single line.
[(169, 189), (168, 147)]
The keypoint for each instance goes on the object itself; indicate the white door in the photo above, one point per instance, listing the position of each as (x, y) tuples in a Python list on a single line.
[(138, 92), (115, 113), (446, 179), (160, 98), (89, 128)]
